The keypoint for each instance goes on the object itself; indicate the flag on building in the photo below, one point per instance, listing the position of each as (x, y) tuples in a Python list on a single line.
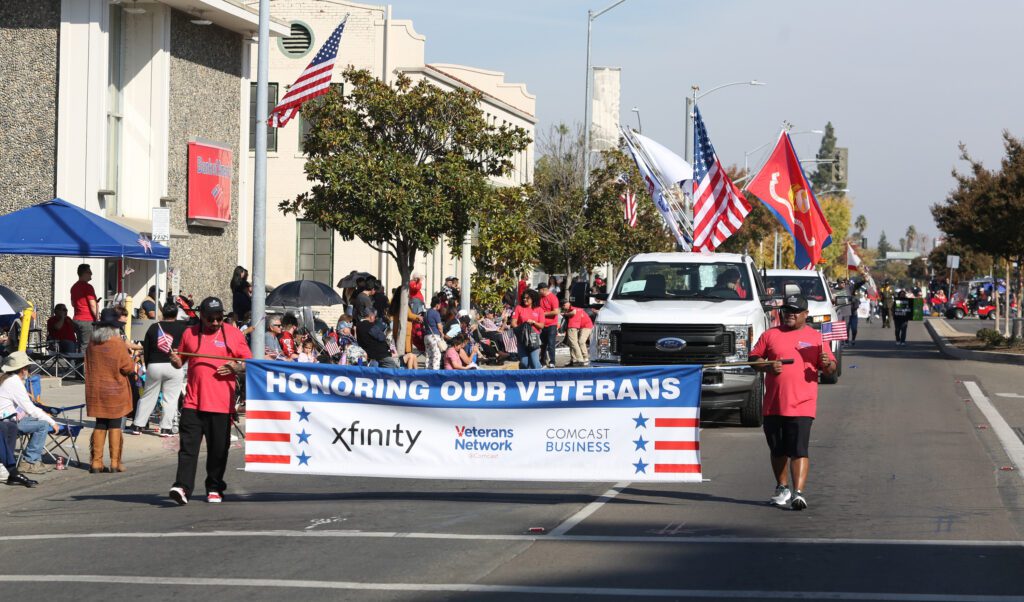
[(163, 340), (783, 188), (833, 331), (852, 259), (628, 207), (719, 207), (314, 81)]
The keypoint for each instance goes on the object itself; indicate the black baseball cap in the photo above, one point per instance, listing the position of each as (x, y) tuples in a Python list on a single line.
[(794, 303), (211, 305)]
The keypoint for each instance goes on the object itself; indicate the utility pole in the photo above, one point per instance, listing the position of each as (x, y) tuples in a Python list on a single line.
[(591, 15), (259, 204)]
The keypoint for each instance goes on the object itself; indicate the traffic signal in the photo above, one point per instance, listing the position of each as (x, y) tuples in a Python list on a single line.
[(839, 165)]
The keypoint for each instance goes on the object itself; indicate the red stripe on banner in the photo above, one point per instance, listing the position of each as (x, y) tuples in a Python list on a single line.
[(688, 468), (286, 437), (673, 445), (267, 459), (676, 422), (267, 415)]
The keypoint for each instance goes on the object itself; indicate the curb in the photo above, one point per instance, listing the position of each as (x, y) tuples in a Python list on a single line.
[(969, 354)]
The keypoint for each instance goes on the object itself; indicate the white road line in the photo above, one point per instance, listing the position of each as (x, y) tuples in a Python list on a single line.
[(1011, 443), (624, 539), (500, 589), (589, 509), (1013, 395)]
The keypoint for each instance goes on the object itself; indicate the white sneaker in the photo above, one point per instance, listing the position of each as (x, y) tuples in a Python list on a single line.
[(781, 497), (3, 472), (178, 495)]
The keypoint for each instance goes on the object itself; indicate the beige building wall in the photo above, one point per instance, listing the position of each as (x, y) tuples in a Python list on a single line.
[(384, 46)]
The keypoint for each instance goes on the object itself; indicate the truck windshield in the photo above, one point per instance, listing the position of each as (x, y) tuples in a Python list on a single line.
[(653, 281), (810, 286)]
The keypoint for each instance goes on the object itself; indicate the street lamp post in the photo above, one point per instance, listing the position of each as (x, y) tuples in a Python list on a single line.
[(746, 155), (639, 125), (591, 16), (691, 102)]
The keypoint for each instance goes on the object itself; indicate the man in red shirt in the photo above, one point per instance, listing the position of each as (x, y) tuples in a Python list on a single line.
[(577, 331), (791, 396), (209, 399), (549, 336), (85, 304)]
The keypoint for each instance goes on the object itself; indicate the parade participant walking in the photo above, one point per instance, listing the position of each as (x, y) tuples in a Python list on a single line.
[(85, 304), (528, 318), (791, 396), (108, 394), (887, 300), (578, 332), (16, 406), (549, 335), (209, 399), (162, 378), (432, 337), (902, 311)]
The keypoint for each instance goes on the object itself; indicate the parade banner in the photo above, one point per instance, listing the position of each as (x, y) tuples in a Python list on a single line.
[(609, 424)]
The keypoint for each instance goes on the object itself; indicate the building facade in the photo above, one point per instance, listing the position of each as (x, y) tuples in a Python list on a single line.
[(385, 46), (109, 98)]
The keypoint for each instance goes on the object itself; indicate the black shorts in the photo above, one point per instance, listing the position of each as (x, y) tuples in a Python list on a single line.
[(788, 435)]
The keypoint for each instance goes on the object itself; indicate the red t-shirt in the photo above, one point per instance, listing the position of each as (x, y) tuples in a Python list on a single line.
[(287, 341), (65, 333), (519, 292), (580, 319), (549, 302), (81, 294), (522, 314), (795, 391), (206, 390)]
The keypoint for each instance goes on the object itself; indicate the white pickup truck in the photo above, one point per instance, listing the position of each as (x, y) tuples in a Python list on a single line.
[(689, 308)]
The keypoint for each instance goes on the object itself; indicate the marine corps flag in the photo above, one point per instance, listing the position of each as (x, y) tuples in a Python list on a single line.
[(783, 188)]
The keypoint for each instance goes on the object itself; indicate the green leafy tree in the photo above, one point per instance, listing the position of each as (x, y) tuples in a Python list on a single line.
[(821, 179), (559, 216), (972, 262), (883, 245), (837, 210), (400, 166), (918, 269), (861, 224), (911, 238), (507, 245)]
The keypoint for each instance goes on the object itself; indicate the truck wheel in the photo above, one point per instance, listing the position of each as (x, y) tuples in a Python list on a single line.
[(750, 412)]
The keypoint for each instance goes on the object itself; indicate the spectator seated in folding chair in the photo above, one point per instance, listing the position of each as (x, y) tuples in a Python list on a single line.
[(15, 404), (8, 459)]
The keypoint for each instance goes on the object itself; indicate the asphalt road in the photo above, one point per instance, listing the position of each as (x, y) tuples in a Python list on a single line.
[(908, 501)]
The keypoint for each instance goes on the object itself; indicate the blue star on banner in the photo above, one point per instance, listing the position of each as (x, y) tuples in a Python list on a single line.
[(640, 467), (641, 443), (303, 459), (303, 436), (303, 414), (641, 421)]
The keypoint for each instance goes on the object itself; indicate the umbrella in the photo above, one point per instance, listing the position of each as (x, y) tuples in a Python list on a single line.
[(11, 302), (300, 293), (350, 280)]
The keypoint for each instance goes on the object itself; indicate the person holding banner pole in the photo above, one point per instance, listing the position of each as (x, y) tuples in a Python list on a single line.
[(528, 320), (211, 349), (791, 396)]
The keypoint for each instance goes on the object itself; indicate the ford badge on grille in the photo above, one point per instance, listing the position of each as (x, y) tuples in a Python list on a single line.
[(670, 344)]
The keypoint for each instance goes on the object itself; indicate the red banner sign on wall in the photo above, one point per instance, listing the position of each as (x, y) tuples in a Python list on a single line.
[(210, 170)]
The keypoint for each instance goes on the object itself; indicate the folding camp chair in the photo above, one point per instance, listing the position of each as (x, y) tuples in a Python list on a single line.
[(65, 440)]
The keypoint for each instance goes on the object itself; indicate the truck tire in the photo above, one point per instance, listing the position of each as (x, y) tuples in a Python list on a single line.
[(831, 380), (750, 412)]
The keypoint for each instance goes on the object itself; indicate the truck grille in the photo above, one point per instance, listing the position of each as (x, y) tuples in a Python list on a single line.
[(705, 344)]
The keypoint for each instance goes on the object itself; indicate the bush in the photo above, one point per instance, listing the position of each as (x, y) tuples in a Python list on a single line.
[(990, 337)]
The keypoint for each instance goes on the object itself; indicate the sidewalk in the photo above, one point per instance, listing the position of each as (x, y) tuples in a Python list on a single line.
[(941, 332)]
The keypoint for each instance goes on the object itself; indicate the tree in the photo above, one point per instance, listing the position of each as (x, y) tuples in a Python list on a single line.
[(558, 216), (821, 179), (911, 237), (506, 247), (861, 224), (837, 210), (972, 263), (883, 245), (401, 166), (918, 269)]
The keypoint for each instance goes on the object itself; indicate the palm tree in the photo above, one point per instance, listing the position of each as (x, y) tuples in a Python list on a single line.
[(861, 223), (911, 237)]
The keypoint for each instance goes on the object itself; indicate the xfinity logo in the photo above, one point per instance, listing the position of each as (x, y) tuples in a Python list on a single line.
[(670, 344), (352, 435)]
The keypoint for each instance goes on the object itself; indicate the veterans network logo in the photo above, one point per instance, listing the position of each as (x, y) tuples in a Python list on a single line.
[(473, 438), (673, 446)]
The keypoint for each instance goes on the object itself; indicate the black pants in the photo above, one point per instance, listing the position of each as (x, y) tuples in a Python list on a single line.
[(8, 440), (106, 424), (901, 329), (548, 341), (192, 427)]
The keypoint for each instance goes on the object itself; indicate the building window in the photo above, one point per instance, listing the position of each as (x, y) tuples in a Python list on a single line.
[(115, 97), (271, 103), (299, 41), (305, 125), (314, 258)]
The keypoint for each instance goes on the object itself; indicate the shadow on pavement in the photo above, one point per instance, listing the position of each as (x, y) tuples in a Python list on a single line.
[(691, 496)]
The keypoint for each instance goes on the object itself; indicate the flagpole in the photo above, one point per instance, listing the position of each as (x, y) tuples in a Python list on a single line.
[(259, 205), (674, 207)]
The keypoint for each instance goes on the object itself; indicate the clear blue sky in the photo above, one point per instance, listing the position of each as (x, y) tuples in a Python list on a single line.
[(902, 81)]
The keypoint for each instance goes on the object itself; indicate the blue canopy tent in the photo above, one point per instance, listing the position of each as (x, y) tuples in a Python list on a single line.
[(59, 229)]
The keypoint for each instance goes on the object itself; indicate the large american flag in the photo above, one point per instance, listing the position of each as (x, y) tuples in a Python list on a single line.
[(629, 207), (719, 207), (314, 81)]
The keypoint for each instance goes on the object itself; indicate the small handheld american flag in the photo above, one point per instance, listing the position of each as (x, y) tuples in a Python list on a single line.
[(163, 340), (331, 347), (833, 331)]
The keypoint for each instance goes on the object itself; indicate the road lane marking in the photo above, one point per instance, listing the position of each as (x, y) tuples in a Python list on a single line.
[(626, 539), (1012, 444), (1013, 395), (589, 509), (500, 589)]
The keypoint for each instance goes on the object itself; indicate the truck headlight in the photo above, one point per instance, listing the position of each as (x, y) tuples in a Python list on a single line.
[(742, 334), (605, 342)]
